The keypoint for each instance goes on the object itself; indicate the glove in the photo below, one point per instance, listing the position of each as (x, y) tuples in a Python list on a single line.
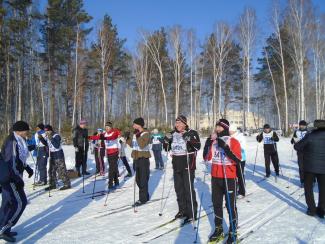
[(29, 171), (186, 136), (31, 147), (76, 149), (120, 141), (137, 133), (221, 143), (102, 137), (127, 134)]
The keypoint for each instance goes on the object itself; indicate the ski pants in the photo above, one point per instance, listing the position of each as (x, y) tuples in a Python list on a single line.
[(300, 156), (58, 167), (126, 164), (41, 162), (219, 190), (309, 192), (99, 158), (158, 158), (142, 174), (81, 159), (271, 156), (13, 204), (112, 170)]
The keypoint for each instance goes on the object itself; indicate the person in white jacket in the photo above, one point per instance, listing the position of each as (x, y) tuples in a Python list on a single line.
[(235, 133)]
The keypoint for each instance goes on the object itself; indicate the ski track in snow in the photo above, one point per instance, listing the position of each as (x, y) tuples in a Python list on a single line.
[(272, 212)]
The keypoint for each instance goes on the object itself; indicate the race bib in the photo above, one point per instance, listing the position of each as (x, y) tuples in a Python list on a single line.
[(178, 145)]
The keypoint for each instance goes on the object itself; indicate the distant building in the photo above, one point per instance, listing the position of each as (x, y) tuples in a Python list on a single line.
[(236, 117)]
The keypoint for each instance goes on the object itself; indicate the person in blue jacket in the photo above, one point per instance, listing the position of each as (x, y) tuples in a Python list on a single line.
[(157, 140), (14, 154)]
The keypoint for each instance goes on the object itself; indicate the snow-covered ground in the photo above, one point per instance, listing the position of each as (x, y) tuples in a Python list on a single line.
[(272, 212)]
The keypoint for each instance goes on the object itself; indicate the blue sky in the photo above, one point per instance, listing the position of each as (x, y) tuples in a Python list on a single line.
[(132, 15)]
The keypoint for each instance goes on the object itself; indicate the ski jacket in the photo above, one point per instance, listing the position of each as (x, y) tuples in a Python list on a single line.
[(298, 135), (182, 145), (242, 141), (157, 141), (139, 142), (269, 139), (312, 146), (111, 141), (80, 138), (223, 159)]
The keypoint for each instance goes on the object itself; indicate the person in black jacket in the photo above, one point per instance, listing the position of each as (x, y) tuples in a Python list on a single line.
[(270, 138), (14, 154), (184, 144), (297, 136), (81, 145), (312, 146)]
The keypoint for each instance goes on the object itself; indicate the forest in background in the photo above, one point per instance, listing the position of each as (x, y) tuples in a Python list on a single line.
[(52, 73)]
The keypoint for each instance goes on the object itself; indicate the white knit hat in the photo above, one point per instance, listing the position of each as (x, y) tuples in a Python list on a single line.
[(233, 128)]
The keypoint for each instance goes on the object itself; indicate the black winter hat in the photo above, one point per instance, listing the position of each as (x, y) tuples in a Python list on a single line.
[(223, 123), (20, 126), (48, 128), (139, 121), (303, 122), (266, 126), (41, 126), (182, 118), (109, 123)]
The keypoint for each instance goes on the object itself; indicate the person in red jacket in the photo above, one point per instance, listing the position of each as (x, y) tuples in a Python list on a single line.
[(110, 136), (224, 152)]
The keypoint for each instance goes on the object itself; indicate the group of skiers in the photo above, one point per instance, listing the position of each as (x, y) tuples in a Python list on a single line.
[(225, 151)]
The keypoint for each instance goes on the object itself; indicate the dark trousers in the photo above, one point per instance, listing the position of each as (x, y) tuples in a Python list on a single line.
[(301, 166), (13, 204), (58, 168), (241, 177), (271, 156), (126, 164), (112, 170), (183, 193), (158, 158), (219, 190), (81, 159), (142, 174), (41, 162), (99, 158), (309, 193)]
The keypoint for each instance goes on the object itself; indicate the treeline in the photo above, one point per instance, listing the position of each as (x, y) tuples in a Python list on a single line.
[(51, 72)]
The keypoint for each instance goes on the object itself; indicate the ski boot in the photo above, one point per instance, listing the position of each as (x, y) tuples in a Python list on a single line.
[(216, 236)]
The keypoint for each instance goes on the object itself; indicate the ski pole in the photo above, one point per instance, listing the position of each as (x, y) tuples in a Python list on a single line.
[(105, 204), (190, 183), (162, 194), (35, 169), (135, 175), (242, 177), (228, 200), (255, 158), (198, 222)]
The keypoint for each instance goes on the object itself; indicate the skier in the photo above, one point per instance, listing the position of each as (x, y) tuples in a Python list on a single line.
[(111, 144), (184, 144), (270, 150), (99, 151), (57, 161), (140, 154), (297, 136), (81, 145), (235, 133), (14, 154), (312, 146), (156, 140), (42, 154), (122, 154), (224, 152)]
